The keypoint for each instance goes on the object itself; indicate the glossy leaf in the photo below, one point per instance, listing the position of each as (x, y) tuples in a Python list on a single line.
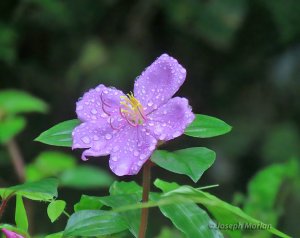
[(94, 223), (206, 126), (43, 190), (60, 134), (14, 101), (55, 209), (88, 203), (223, 212), (55, 235), (84, 176), (10, 127), (192, 162), (189, 218), (21, 215)]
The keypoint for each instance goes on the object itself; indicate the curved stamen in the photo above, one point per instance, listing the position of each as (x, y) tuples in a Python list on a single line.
[(114, 128), (104, 103)]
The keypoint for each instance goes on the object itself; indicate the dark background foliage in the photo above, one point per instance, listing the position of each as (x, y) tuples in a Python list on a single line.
[(242, 59)]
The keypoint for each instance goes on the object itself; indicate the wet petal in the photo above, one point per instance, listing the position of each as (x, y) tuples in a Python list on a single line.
[(11, 234), (99, 103), (159, 82), (171, 119), (94, 136), (131, 149)]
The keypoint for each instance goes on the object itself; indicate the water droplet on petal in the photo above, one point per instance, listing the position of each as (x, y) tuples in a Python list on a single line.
[(135, 153), (176, 133), (116, 148), (114, 158), (86, 139), (108, 136), (150, 104), (152, 147), (94, 111), (96, 137), (80, 107)]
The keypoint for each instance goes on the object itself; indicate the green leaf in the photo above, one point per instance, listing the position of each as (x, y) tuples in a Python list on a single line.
[(88, 203), (49, 163), (55, 209), (206, 126), (192, 162), (119, 188), (43, 190), (264, 189), (55, 235), (83, 177), (21, 215), (10, 127), (60, 134), (13, 101), (189, 218), (222, 211), (94, 223)]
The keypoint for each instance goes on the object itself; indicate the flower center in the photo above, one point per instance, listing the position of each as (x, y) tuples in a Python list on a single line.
[(132, 110)]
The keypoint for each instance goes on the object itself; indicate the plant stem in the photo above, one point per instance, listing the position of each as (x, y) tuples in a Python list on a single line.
[(16, 159), (145, 198)]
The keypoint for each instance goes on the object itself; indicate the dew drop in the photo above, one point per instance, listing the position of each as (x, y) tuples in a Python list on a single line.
[(80, 107), (108, 136), (86, 139), (150, 104), (176, 133), (96, 137), (114, 158), (116, 148), (94, 111), (135, 153)]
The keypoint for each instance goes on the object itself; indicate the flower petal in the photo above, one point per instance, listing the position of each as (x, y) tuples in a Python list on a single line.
[(99, 103), (170, 120), (131, 149), (94, 136), (159, 82), (11, 234)]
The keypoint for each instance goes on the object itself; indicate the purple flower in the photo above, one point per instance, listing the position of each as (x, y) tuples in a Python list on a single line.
[(128, 127), (11, 234)]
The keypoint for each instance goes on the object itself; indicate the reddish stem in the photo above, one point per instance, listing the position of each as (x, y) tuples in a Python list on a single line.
[(145, 198)]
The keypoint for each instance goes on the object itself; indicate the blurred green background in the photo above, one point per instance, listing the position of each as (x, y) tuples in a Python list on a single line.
[(243, 64)]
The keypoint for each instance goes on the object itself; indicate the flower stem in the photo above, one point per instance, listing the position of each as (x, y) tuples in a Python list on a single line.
[(145, 198)]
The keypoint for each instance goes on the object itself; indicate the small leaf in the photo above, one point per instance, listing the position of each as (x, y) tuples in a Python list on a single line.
[(192, 162), (13, 101), (21, 215), (10, 127), (55, 235), (60, 134), (43, 190), (55, 209), (94, 223), (85, 177), (88, 203), (206, 126)]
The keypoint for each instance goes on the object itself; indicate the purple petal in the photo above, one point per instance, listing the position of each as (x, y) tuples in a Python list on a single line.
[(94, 136), (99, 103), (159, 82), (11, 234), (131, 149), (170, 120)]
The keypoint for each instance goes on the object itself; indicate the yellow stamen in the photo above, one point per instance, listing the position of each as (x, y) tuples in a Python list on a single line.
[(132, 109)]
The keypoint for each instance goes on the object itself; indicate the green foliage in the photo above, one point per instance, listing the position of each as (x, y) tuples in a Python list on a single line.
[(94, 223), (43, 190), (223, 212), (60, 134), (49, 163), (88, 203), (85, 177), (7, 43), (55, 209), (268, 190), (21, 215), (13, 102), (190, 219), (192, 162), (10, 127), (206, 126)]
